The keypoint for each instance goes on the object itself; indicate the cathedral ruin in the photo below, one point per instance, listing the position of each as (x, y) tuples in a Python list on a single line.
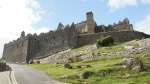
[(90, 26), (65, 37)]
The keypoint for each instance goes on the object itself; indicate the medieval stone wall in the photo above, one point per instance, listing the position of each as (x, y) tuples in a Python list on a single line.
[(52, 42), (121, 36), (44, 44), (65, 37), (16, 51)]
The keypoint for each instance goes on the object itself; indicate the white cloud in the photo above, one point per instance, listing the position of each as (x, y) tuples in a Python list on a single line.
[(144, 25), (145, 1), (16, 16), (117, 4)]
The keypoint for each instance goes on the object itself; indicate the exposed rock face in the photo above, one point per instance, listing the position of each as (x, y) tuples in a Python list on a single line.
[(135, 64), (58, 57), (138, 68), (92, 47), (146, 56), (85, 75), (85, 56), (144, 42), (67, 65), (131, 62), (146, 67), (129, 47)]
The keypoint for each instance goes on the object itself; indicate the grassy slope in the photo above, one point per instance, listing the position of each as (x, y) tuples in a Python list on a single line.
[(114, 74)]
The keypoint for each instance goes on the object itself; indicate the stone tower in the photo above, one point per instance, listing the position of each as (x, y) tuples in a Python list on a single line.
[(22, 34), (90, 22)]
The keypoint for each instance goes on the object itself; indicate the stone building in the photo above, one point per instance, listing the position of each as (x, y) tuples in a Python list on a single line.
[(31, 46), (90, 26), (65, 37), (87, 26)]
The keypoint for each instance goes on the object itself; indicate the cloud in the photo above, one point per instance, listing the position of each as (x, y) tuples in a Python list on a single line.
[(117, 4), (16, 16), (145, 1), (144, 25)]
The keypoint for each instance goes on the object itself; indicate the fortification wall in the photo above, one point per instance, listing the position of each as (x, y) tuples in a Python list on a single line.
[(121, 36), (52, 42), (31, 46), (16, 51)]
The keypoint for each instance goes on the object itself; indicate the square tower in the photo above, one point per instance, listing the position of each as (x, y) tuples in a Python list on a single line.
[(90, 22)]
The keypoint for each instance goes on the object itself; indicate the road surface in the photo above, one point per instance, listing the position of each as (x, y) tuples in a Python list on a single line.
[(27, 75)]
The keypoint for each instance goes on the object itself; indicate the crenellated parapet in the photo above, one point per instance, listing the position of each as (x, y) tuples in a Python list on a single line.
[(31, 46), (64, 37)]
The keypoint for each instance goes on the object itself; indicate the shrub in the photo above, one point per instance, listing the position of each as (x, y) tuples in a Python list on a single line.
[(106, 41)]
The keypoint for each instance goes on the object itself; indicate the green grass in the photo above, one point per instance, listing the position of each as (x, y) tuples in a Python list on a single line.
[(79, 48), (114, 74), (116, 47)]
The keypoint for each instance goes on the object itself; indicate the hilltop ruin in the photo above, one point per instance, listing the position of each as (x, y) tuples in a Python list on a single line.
[(65, 37)]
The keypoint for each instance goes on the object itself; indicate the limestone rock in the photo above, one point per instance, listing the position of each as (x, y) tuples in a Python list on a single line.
[(146, 56), (129, 47), (85, 75), (81, 76), (146, 67), (67, 65), (138, 68), (144, 42), (131, 62)]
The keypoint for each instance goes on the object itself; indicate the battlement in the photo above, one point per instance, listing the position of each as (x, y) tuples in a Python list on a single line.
[(30, 46), (64, 37)]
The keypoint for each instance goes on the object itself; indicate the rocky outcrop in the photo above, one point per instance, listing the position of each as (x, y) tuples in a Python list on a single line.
[(146, 56), (61, 57), (144, 42), (84, 54)]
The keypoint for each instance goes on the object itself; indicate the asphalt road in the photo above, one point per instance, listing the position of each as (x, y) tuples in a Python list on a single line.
[(27, 75)]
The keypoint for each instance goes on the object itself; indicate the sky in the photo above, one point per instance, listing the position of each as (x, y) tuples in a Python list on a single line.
[(36, 16)]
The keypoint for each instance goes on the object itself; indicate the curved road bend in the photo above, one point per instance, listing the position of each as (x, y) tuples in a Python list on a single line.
[(27, 75)]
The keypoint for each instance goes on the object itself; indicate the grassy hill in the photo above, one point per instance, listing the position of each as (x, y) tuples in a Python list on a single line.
[(103, 70)]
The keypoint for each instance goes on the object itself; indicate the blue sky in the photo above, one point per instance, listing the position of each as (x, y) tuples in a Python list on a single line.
[(35, 16), (68, 11)]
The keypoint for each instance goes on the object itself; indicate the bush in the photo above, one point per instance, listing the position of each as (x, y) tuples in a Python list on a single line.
[(106, 41)]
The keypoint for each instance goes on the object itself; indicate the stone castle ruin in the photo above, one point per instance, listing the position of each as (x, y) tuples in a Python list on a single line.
[(90, 26), (30, 46), (65, 37)]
